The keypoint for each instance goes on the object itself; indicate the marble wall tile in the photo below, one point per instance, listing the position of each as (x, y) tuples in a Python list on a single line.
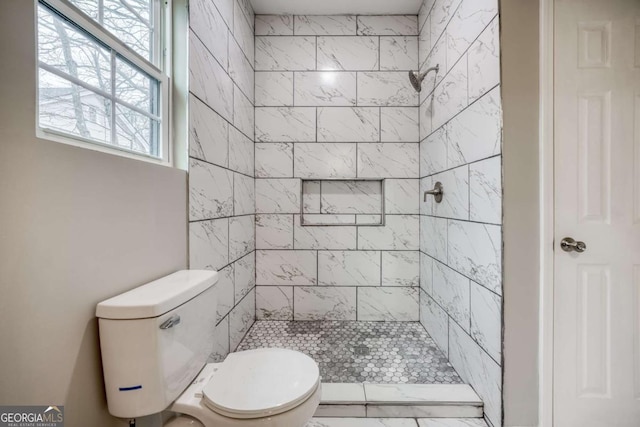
[(285, 124), (327, 237), (477, 132), (386, 88), (311, 197), (399, 124), (451, 291), (450, 96), (433, 153), (423, 14), (208, 134), (210, 191), (242, 238), (207, 24), (348, 53), (388, 25), (426, 206), (348, 124), (243, 195), (485, 190), (208, 80), (274, 89), (220, 341), (433, 237), (286, 268), (240, 70), (243, 34), (388, 304), (437, 56), (359, 197), (209, 244), (364, 219), (243, 113), (436, 321), (400, 232), (241, 152), (284, 53), (329, 219), (388, 160), (241, 319), (401, 268), (324, 88), (277, 195), (274, 160), (425, 112), (451, 422), (274, 302), (324, 25), (324, 303), (274, 25), (274, 231), (225, 289), (475, 250), (455, 203), (467, 23), (486, 320), (399, 53), (484, 61), (349, 268), (443, 11), (225, 7), (402, 196), (244, 276), (246, 11), (426, 273)]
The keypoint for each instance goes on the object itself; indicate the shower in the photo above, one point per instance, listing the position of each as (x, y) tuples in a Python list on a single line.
[(416, 77)]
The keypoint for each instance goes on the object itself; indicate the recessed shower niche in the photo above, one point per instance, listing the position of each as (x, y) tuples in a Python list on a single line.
[(342, 202)]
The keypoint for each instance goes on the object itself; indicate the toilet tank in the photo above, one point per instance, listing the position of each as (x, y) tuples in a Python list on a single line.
[(155, 339)]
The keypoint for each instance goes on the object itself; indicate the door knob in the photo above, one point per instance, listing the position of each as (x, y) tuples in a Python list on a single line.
[(570, 245)]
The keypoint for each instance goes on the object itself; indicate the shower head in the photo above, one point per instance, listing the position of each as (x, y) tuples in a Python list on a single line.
[(416, 77)]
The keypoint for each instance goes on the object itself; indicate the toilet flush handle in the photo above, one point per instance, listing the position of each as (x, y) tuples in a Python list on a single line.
[(170, 322)]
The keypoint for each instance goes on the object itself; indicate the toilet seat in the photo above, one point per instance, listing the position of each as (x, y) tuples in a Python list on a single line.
[(261, 383)]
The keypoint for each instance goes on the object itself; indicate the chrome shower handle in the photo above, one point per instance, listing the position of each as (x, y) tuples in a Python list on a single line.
[(437, 192)]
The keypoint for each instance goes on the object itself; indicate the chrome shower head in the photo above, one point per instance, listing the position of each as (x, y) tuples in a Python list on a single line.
[(416, 78)]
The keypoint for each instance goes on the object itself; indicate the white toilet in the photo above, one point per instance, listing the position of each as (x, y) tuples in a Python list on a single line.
[(155, 342)]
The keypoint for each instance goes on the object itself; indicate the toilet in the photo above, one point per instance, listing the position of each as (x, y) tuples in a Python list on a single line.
[(155, 342)]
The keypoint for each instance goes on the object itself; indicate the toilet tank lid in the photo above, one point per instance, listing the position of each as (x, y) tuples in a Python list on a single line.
[(157, 297)]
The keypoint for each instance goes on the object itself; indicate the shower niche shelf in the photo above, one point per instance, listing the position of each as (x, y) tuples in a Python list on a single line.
[(342, 202)]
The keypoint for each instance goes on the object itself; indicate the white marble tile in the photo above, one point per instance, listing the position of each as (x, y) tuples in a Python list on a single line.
[(207, 23), (286, 268), (423, 14), (358, 197), (349, 268), (243, 34), (210, 191), (451, 291), (274, 25), (433, 237), (455, 199), (243, 195), (361, 422), (399, 53), (386, 88), (324, 303), (240, 70), (274, 231), (324, 25), (389, 304), (348, 124), (478, 369), (433, 153), (388, 25), (241, 152), (348, 53), (274, 303), (285, 53), (426, 273), (425, 113), (477, 132), (241, 319), (209, 244), (244, 274), (342, 393), (340, 411), (388, 160), (399, 124), (419, 411), (486, 320), (421, 393), (208, 134), (475, 250), (242, 239), (437, 57), (311, 197), (329, 219), (225, 7), (277, 195), (485, 190), (424, 42), (467, 23), (401, 268), (451, 422), (324, 88), (246, 12), (323, 237), (274, 160), (285, 124), (274, 89), (426, 205), (400, 232), (402, 196), (225, 288), (484, 62), (450, 96), (221, 341), (436, 321), (441, 14), (208, 80), (243, 113)]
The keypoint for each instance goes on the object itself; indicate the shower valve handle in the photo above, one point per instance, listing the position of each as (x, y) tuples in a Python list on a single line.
[(437, 192)]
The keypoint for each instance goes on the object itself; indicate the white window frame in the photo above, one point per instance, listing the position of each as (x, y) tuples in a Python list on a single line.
[(161, 53)]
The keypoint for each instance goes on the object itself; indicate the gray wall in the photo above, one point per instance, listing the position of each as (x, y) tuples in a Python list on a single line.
[(76, 227)]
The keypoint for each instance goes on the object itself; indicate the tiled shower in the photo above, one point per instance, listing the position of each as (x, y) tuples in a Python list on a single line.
[(309, 155)]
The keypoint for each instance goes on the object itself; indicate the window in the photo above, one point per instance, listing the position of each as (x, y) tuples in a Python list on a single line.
[(101, 78)]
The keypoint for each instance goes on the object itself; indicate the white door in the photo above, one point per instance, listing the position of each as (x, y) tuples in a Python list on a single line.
[(597, 201)]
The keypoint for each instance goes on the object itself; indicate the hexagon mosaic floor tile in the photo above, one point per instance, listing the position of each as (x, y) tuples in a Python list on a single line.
[(369, 352)]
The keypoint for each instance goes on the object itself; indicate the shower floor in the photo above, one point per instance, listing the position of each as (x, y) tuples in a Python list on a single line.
[(356, 351)]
